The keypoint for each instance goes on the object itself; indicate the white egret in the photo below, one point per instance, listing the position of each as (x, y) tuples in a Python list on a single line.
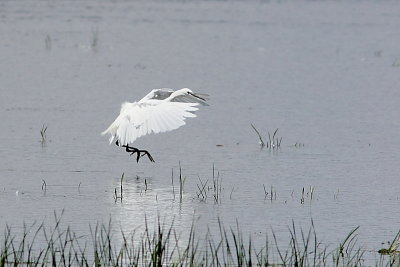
[(159, 111)]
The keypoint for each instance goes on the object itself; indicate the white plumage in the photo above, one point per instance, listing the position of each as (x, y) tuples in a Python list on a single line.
[(159, 111)]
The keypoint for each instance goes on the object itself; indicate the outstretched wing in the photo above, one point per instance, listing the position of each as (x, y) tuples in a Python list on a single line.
[(139, 119), (191, 98), (184, 95), (157, 94)]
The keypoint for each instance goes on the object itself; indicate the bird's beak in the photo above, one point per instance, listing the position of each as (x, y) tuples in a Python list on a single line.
[(199, 96)]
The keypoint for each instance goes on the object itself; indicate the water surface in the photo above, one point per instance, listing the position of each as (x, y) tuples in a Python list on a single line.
[(325, 73)]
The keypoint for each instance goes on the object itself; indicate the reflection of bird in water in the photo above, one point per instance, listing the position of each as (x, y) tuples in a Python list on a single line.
[(159, 111)]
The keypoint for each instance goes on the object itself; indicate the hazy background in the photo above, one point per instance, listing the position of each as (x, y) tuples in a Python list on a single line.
[(326, 73)]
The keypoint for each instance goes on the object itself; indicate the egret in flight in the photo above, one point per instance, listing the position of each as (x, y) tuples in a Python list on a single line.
[(159, 111)]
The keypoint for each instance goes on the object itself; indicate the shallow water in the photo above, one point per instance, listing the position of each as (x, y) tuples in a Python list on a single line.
[(325, 73)]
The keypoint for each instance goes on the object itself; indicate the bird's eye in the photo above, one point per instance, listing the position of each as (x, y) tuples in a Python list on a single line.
[(156, 95)]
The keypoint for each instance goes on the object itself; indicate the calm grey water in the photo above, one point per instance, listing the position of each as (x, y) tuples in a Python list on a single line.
[(326, 74)]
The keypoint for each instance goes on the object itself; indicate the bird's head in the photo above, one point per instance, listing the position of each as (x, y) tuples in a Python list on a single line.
[(186, 91), (190, 92)]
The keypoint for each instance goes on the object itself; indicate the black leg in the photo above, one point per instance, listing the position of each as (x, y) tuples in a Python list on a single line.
[(134, 150), (145, 152)]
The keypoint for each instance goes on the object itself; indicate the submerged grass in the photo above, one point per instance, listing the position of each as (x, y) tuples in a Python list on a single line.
[(120, 196), (274, 142), (162, 245), (43, 134), (215, 189)]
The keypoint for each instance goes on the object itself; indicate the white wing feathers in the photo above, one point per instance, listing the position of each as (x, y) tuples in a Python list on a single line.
[(139, 119), (186, 98)]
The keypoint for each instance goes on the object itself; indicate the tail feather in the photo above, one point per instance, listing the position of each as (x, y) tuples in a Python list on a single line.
[(109, 131)]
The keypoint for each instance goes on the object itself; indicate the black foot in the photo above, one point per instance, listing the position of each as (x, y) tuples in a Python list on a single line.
[(134, 150)]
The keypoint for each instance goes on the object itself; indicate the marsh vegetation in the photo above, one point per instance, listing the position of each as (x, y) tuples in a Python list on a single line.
[(161, 244)]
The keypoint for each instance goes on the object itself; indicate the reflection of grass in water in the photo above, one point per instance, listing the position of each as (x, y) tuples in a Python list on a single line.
[(164, 246), (213, 188)]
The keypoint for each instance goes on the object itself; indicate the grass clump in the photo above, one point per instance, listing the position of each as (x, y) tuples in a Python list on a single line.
[(393, 246), (163, 245), (274, 142), (43, 134), (214, 189)]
